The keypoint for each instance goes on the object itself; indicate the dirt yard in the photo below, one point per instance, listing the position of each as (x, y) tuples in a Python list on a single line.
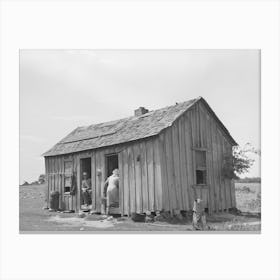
[(34, 218)]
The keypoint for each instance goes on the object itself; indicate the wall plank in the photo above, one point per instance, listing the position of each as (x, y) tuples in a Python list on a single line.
[(93, 181), (165, 189), (74, 197), (151, 180), (59, 181), (53, 174), (189, 158), (228, 181), (170, 170), (220, 160), (48, 181), (78, 182), (196, 127), (224, 180), (126, 182), (215, 166), (121, 193), (132, 183), (158, 178), (138, 180), (98, 180), (177, 169), (144, 173), (50, 174), (210, 173), (199, 123), (183, 168), (194, 144), (103, 177), (203, 127)]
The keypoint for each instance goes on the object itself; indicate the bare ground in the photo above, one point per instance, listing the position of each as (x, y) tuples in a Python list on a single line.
[(34, 219)]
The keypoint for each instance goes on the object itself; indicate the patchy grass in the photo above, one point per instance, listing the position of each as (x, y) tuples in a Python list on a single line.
[(34, 218), (248, 197)]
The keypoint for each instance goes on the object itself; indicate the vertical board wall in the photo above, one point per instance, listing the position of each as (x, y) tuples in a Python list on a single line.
[(158, 172), (140, 176), (141, 172), (196, 129), (55, 176)]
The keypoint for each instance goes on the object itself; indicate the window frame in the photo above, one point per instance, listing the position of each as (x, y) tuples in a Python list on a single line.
[(200, 168)]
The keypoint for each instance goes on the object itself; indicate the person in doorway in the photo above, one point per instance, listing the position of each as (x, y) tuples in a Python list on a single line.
[(199, 215), (111, 190), (86, 189)]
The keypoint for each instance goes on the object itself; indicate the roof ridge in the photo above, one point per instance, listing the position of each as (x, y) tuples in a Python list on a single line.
[(137, 117)]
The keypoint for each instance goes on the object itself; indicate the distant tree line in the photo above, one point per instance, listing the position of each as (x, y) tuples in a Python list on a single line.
[(41, 180), (248, 180)]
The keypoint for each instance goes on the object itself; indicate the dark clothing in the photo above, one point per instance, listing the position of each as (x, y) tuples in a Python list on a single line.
[(86, 197), (86, 191)]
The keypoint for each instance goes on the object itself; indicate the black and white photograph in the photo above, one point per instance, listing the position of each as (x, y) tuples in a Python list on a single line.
[(140, 140)]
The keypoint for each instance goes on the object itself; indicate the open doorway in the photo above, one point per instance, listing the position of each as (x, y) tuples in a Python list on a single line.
[(112, 162), (86, 166), (86, 183)]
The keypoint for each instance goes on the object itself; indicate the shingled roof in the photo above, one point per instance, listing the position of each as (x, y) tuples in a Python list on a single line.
[(124, 130)]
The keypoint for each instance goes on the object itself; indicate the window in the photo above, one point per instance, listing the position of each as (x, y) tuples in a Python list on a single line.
[(68, 167), (67, 184), (200, 167)]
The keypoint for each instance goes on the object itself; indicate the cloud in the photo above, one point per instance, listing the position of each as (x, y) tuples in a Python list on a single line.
[(71, 118), (32, 138), (69, 88)]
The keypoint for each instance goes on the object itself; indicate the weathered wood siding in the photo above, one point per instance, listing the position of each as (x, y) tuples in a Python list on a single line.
[(196, 129), (55, 177), (140, 176), (158, 172)]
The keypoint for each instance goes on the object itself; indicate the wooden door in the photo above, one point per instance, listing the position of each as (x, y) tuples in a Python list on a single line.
[(67, 198)]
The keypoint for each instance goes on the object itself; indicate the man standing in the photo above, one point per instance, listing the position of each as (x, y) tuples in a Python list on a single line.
[(86, 189)]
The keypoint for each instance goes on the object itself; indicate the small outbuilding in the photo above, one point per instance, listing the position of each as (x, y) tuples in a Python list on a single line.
[(166, 158)]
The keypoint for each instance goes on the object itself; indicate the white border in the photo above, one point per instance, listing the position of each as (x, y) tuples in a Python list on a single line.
[(155, 24)]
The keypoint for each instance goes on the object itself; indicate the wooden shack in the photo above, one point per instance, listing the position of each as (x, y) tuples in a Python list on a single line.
[(166, 159)]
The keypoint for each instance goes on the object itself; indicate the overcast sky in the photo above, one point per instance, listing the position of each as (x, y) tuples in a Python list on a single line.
[(63, 89)]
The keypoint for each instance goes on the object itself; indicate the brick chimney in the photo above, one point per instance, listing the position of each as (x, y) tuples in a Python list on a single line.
[(140, 111)]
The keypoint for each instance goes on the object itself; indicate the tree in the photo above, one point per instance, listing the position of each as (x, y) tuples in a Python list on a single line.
[(239, 162), (42, 179)]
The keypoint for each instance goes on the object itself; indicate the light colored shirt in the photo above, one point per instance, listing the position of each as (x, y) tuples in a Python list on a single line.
[(198, 207)]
